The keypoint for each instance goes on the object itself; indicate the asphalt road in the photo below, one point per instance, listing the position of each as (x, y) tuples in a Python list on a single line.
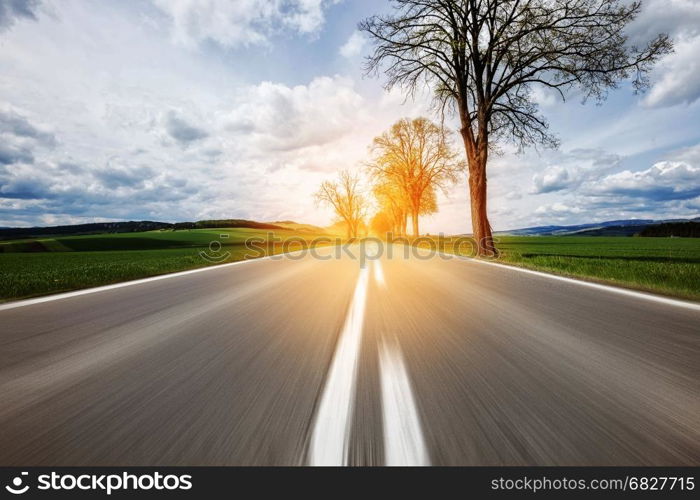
[(309, 361)]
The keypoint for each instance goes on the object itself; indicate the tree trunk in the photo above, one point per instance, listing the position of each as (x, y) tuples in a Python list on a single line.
[(480, 220), (481, 226), (414, 223)]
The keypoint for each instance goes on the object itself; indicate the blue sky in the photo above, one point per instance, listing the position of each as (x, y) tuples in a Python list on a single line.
[(191, 109)]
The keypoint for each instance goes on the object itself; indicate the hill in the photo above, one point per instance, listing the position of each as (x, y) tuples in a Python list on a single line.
[(76, 229), (628, 227), (302, 228), (127, 227)]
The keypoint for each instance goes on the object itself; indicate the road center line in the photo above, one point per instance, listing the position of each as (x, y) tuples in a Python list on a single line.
[(403, 439), (330, 439), (378, 273)]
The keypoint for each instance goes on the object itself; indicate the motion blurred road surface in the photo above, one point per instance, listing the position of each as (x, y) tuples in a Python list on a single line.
[(319, 361)]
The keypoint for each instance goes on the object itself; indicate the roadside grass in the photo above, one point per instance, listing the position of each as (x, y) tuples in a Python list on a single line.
[(41, 266), (669, 266)]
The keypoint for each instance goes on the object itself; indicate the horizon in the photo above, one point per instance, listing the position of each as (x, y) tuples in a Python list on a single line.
[(147, 111), (332, 224)]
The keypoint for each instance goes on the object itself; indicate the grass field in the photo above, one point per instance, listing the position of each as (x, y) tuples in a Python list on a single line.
[(669, 266), (39, 266)]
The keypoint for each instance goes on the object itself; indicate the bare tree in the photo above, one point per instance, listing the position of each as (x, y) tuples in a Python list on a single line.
[(345, 198), (483, 58), (416, 156)]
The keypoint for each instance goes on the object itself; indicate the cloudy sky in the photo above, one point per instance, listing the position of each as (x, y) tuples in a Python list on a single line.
[(190, 109)]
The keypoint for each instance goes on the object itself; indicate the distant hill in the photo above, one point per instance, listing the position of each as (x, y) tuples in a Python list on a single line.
[(76, 229), (609, 228), (302, 228), (127, 227), (234, 223)]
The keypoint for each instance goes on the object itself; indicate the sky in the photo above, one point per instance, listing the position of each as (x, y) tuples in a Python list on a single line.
[(180, 110)]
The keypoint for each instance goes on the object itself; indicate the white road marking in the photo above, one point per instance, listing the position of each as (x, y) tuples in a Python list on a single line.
[(378, 273), (86, 291), (622, 291), (77, 293), (608, 288), (403, 439), (330, 440)]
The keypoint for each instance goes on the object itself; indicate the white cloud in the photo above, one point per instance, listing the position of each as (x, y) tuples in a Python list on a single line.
[(678, 76), (557, 210), (182, 131), (690, 154), (573, 169), (675, 17), (664, 181), (667, 189), (513, 195), (12, 10), (545, 97), (241, 22), (20, 138), (277, 117), (676, 79), (552, 179), (354, 46)]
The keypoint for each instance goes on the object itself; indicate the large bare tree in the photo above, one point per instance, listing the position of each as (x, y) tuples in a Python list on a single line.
[(417, 157), (345, 197), (483, 58)]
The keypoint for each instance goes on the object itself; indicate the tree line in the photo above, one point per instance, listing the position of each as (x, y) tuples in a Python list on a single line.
[(689, 229)]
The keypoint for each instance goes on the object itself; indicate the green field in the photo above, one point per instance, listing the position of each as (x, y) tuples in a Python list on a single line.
[(32, 267), (40, 266), (669, 266)]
